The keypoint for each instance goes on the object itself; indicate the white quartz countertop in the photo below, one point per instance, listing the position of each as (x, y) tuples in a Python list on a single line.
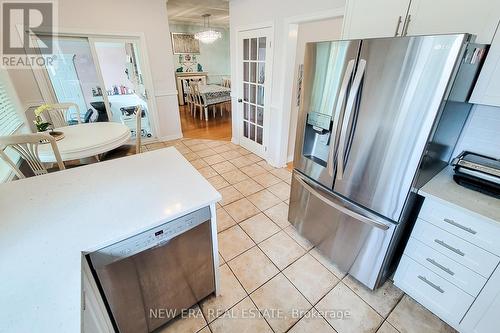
[(443, 187), (46, 222)]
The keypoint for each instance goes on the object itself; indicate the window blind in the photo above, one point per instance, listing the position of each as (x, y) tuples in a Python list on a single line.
[(9, 118)]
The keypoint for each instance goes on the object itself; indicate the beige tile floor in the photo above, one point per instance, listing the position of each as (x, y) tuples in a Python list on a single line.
[(272, 279)]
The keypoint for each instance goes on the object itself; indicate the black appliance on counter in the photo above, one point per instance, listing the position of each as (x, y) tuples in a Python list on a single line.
[(478, 172)]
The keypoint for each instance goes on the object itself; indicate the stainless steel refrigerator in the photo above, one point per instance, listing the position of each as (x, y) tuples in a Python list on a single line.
[(377, 119)]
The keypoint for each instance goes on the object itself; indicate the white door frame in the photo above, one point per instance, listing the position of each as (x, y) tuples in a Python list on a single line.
[(43, 80), (237, 116), (290, 30), (153, 119)]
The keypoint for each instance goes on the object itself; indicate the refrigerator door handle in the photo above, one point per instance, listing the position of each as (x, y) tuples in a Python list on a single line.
[(347, 116), (337, 113), (345, 210)]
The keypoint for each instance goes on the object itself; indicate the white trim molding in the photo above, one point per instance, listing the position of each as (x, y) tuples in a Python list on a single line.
[(166, 93), (289, 34), (171, 137)]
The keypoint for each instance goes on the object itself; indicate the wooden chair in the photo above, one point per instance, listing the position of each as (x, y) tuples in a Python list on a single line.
[(26, 145), (197, 100), (189, 101), (138, 129), (61, 115), (226, 82)]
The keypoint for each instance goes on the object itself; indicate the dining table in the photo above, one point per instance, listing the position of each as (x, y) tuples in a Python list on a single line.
[(86, 140), (213, 94)]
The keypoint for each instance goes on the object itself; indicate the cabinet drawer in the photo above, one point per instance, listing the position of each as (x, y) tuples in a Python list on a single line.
[(465, 253), (448, 269), (479, 231), (435, 293)]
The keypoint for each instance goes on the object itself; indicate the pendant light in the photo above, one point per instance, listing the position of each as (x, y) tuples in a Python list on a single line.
[(207, 35)]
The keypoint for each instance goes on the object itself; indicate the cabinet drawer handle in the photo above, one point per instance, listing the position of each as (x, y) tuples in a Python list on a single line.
[(449, 247), (438, 265), (458, 225), (397, 26), (438, 288), (405, 26)]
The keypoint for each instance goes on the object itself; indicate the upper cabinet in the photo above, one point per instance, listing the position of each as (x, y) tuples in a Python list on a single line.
[(386, 18), (479, 17), (487, 89), (374, 18)]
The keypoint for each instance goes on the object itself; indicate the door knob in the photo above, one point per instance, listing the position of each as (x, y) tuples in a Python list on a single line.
[(240, 100)]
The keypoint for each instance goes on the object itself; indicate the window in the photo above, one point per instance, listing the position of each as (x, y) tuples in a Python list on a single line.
[(10, 120), (9, 117)]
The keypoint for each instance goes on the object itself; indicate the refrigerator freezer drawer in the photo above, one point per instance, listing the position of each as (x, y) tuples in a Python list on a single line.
[(354, 239)]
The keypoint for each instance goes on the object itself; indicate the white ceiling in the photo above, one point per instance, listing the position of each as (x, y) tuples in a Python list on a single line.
[(190, 11)]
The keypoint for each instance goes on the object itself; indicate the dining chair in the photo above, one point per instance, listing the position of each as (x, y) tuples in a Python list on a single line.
[(26, 145), (61, 114), (226, 82), (197, 100), (189, 100), (138, 129)]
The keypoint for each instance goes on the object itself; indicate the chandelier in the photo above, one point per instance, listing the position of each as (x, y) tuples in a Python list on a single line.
[(207, 35)]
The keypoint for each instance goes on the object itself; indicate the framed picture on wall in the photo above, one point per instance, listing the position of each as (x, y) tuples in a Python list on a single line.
[(183, 43)]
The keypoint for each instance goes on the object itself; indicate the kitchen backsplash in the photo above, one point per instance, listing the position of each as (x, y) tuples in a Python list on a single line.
[(481, 133)]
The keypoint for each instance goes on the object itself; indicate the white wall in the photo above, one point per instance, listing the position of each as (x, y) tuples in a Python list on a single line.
[(316, 31), (124, 17), (251, 14), (213, 57), (481, 133), (112, 60)]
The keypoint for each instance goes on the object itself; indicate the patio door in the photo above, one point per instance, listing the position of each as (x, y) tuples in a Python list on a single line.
[(71, 75), (105, 77), (254, 84), (119, 62)]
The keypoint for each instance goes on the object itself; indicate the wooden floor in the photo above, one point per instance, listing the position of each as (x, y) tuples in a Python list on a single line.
[(215, 129)]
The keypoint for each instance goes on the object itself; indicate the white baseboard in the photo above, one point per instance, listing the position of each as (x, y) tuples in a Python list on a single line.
[(171, 137)]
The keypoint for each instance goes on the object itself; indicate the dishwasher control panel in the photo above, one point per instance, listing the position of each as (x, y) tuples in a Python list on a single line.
[(149, 239)]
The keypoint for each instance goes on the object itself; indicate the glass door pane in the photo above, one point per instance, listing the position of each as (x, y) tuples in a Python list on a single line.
[(253, 67), (124, 83), (74, 77)]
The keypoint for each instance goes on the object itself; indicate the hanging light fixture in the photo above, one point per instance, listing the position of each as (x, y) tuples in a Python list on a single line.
[(207, 35)]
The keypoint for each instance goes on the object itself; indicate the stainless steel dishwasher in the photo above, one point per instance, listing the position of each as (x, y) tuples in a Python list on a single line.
[(148, 279)]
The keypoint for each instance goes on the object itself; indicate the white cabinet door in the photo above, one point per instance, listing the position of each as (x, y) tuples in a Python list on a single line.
[(374, 18), (483, 316), (479, 17), (487, 89)]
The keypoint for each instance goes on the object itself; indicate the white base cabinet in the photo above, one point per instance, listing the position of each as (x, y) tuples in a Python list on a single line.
[(451, 266), (484, 314)]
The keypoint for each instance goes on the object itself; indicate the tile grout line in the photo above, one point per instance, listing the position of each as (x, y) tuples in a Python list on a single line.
[(248, 295)]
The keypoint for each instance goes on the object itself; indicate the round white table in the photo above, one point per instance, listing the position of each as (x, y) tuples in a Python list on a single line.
[(86, 140)]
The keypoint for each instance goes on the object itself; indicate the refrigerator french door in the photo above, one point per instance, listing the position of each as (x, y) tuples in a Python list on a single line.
[(394, 100), (329, 68), (368, 110)]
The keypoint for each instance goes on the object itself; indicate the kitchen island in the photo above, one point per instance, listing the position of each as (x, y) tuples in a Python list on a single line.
[(48, 223)]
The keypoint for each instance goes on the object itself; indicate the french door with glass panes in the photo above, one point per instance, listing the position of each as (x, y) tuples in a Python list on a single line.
[(254, 84)]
